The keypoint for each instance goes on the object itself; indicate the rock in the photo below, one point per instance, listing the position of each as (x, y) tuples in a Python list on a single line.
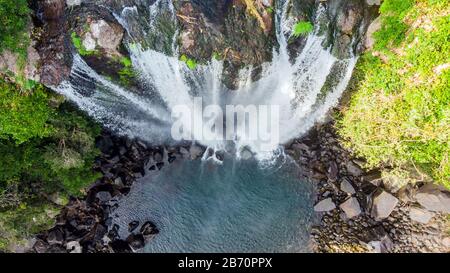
[(420, 215), (351, 207), (383, 205), (104, 35), (103, 196), (118, 182), (149, 230), (373, 2), (74, 247), (195, 151), (373, 27), (132, 226), (184, 152), (347, 187), (158, 157), (353, 168), (333, 171), (434, 198), (136, 241), (246, 154), (55, 236), (325, 205), (71, 3)]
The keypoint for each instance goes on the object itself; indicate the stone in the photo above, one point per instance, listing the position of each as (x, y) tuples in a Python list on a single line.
[(149, 230), (74, 247), (434, 198), (347, 187), (369, 42), (383, 205), (373, 2), (55, 236), (132, 226), (325, 205), (195, 151), (333, 171), (246, 154), (351, 207), (420, 215), (103, 196), (71, 3), (107, 36), (136, 241), (353, 168)]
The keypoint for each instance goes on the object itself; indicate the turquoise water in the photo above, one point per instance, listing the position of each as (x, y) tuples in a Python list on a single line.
[(234, 207)]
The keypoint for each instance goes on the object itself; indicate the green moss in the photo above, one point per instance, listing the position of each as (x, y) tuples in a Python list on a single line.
[(78, 44), (302, 28), (400, 113), (191, 63)]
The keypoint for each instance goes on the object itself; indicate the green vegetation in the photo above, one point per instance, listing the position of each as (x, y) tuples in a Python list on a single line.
[(47, 147), (127, 73), (78, 44), (13, 20), (191, 63), (400, 113), (302, 28)]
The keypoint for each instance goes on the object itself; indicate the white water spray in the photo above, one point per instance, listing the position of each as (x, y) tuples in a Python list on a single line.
[(295, 86)]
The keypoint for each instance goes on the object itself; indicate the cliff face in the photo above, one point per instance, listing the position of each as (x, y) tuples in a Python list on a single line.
[(239, 32)]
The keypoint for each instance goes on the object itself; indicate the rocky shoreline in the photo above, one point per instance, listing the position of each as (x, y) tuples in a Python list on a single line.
[(84, 224), (360, 211)]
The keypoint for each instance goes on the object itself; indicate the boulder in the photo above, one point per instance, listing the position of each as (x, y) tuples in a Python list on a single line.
[(383, 205), (325, 205), (434, 198), (369, 42), (420, 215), (347, 187), (353, 168), (74, 247), (351, 207)]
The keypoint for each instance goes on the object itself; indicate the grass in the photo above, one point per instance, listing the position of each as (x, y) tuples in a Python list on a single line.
[(400, 114)]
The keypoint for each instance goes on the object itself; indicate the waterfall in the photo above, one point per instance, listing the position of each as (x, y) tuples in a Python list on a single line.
[(302, 88)]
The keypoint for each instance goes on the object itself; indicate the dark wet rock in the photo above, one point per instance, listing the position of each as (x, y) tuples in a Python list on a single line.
[(148, 230), (136, 241), (132, 226), (55, 236), (52, 45)]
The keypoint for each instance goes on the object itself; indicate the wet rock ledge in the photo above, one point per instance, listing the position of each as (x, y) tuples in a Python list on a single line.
[(361, 211)]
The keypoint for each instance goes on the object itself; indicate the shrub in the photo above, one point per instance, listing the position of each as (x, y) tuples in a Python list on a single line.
[(400, 113), (13, 20)]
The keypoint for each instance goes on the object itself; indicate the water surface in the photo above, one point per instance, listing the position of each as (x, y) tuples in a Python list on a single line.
[(234, 207)]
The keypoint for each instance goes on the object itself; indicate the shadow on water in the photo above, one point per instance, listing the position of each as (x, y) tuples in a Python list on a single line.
[(238, 206)]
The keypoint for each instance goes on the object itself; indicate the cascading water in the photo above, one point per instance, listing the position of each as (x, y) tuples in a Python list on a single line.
[(301, 88), (240, 205)]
